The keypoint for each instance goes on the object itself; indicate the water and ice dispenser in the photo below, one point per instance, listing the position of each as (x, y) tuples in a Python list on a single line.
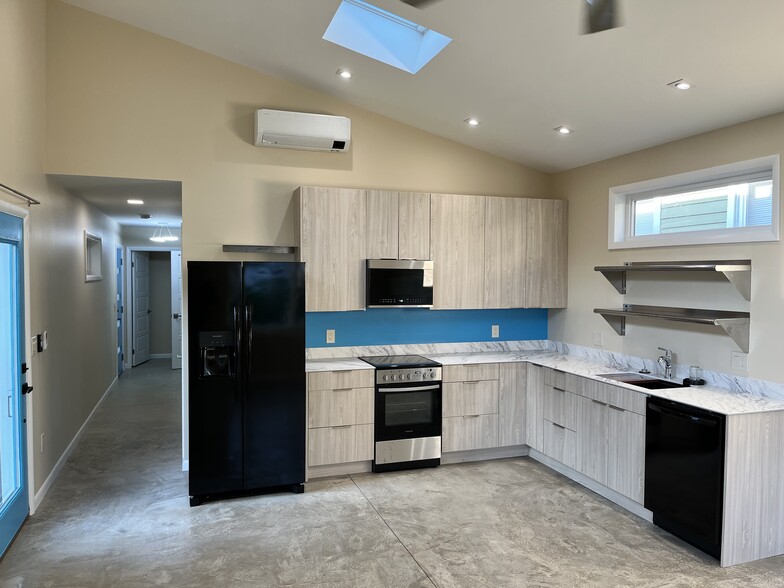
[(218, 354)]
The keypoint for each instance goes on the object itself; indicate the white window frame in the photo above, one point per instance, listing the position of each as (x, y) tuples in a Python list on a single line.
[(621, 222)]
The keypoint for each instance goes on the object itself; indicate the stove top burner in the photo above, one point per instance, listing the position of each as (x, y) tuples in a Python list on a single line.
[(389, 362)]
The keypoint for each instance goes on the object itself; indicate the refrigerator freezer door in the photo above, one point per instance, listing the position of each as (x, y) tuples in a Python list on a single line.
[(214, 399), (274, 416)]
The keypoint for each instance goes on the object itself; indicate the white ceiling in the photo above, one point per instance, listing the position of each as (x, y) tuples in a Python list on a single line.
[(520, 66), (162, 198)]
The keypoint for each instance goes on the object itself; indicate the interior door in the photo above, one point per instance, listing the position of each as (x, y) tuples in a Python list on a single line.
[(176, 307), (119, 309), (140, 280), (13, 471)]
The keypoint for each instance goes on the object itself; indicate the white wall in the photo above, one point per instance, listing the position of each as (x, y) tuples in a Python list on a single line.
[(587, 190)]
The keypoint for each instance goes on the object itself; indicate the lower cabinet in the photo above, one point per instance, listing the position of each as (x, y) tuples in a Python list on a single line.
[(560, 443), (340, 417), (511, 403), (463, 433), (534, 407), (470, 407)]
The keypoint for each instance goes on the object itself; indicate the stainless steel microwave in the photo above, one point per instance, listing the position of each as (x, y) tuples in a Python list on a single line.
[(395, 283)]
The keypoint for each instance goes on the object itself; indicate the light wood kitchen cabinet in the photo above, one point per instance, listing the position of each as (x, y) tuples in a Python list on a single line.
[(398, 225), (511, 403), (560, 443), (457, 250), (340, 416), (592, 439), (332, 243), (470, 407), (626, 452), (546, 267), (505, 252), (534, 407)]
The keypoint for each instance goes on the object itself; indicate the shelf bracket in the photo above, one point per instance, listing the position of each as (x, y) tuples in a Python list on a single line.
[(738, 331), (741, 279), (618, 323), (617, 278)]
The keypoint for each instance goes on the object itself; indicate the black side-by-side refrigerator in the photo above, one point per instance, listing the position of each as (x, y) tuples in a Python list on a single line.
[(246, 377)]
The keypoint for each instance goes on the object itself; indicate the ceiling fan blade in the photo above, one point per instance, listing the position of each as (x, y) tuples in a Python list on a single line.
[(601, 15), (419, 3)]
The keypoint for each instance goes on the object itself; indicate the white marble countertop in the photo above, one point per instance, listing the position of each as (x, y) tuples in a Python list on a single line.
[(714, 398)]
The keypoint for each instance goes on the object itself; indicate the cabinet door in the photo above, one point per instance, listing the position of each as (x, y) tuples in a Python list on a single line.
[(457, 250), (626, 452), (560, 443), (382, 224), (545, 283), (465, 433), (534, 407), (511, 404), (592, 438), (332, 245), (340, 444), (342, 406), (505, 252), (470, 398), (413, 226)]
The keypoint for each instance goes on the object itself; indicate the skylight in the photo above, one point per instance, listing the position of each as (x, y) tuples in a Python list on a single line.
[(384, 36)]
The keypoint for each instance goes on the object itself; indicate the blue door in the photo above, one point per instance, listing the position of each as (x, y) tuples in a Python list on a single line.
[(13, 471)]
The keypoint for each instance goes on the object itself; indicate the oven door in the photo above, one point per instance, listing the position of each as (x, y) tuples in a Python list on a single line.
[(408, 411)]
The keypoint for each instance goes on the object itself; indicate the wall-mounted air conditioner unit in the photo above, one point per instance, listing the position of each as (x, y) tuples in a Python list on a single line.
[(302, 130)]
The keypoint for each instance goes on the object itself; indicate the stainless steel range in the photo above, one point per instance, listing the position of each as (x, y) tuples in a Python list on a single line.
[(408, 412)]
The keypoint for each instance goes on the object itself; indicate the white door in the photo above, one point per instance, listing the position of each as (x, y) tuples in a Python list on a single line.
[(140, 281), (176, 306)]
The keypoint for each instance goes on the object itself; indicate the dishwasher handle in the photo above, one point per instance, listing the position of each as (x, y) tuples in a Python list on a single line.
[(707, 422)]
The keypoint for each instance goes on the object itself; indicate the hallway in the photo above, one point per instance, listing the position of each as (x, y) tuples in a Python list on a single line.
[(118, 516)]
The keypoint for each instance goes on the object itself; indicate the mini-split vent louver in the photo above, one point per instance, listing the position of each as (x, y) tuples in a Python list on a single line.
[(302, 130)]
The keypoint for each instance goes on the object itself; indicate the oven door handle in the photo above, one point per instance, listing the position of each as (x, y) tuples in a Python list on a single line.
[(410, 389)]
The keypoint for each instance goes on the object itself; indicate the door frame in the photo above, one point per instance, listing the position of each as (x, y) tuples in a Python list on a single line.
[(24, 214)]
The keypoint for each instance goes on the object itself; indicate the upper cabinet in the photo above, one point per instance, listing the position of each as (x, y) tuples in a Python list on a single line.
[(398, 225), (457, 229), (505, 252), (545, 268), (332, 245)]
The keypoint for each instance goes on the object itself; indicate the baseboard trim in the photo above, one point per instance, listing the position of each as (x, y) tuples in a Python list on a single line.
[(339, 469), (602, 490), (160, 355), (484, 454), (41, 494)]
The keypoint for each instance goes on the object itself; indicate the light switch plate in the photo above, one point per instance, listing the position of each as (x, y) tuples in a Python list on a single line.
[(740, 361), (495, 331), (598, 338), (330, 335)]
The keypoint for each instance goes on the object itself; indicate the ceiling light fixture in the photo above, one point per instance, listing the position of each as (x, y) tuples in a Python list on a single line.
[(135, 201), (564, 130), (344, 73), (680, 84), (471, 122), (163, 234)]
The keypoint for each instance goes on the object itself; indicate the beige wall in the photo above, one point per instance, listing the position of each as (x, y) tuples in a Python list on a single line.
[(160, 302), (587, 191), (70, 377)]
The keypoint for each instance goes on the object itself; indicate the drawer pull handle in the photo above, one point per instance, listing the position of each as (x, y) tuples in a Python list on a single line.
[(472, 382), (599, 403), (559, 389), (558, 426), (471, 416), (341, 427), (617, 408), (343, 389), (558, 371)]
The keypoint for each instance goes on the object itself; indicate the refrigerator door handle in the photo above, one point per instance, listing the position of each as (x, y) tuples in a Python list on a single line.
[(237, 351), (249, 332)]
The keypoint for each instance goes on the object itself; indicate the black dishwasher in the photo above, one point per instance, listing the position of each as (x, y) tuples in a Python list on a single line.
[(684, 472)]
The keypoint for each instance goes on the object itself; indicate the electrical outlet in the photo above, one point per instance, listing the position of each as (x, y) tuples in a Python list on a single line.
[(739, 361), (43, 436), (598, 338), (495, 331), (330, 335)]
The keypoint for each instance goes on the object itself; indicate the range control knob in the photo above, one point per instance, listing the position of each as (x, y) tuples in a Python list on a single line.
[(386, 378)]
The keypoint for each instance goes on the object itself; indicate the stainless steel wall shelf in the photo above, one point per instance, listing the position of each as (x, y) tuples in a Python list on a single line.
[(737, 272), (735, 324), (279, 249)]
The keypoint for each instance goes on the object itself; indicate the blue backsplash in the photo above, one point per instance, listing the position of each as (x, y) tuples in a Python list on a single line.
[(392, 326)]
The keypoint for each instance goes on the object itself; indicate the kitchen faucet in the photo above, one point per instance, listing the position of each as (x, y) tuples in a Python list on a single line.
[(666, 362)]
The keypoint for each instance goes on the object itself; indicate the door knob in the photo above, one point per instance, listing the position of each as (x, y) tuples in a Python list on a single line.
[(176, 315)]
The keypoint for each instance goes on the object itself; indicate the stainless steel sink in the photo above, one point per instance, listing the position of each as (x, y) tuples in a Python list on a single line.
[(642, 380)]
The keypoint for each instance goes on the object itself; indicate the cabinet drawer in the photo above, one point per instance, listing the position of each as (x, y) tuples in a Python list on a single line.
[(470, 398), (609, 394), (344, 406), (560, 407), (465, 433), (340, 444), (561, 380), (341, 379), (470, 372), (560, 443)]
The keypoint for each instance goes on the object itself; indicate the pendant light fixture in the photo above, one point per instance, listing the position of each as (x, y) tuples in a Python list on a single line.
[(163, 234)]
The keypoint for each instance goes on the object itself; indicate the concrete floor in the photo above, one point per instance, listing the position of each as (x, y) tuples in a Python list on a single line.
[(118, 515)]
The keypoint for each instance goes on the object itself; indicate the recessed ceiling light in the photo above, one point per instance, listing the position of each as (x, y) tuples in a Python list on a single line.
[(564, 130), (471, 122), (680, 84), (135, 201), (343, 73)]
